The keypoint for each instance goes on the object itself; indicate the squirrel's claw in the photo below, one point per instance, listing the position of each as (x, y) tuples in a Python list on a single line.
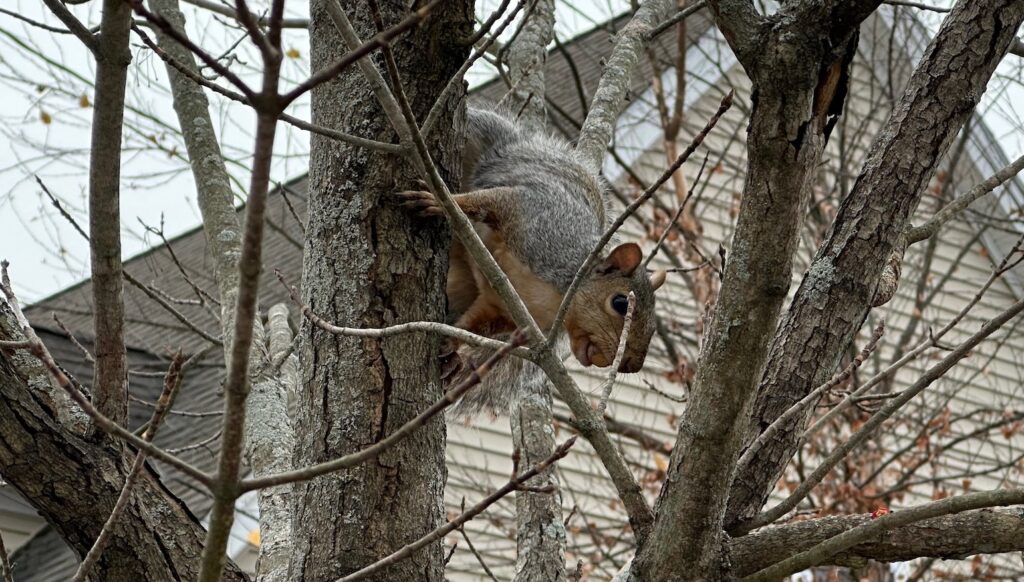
[(451, 361), (421, 202)]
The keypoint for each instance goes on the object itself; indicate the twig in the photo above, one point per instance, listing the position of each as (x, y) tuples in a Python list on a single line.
[(195, 77), (225, 11), (676, 19), (393, 330), (486, 26), (675, 218), (933, 340), (920, 5), (514, 484), (609, 381), (75, 27), (929, 228), (42, 25), (476, 554), (172, 310), (285, 190), (171, 384), (74, 340), (435, 110), (588, 265), (449, 398), (379, 40), (932, 374), (810, 399), (165, 26)]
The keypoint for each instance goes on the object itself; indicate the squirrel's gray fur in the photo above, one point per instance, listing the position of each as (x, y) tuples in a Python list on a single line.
[(567, 216), (552, 185)]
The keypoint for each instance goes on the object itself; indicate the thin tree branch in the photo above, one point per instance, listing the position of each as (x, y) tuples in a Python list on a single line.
[(110, 376), (932, 374), (811, 398), (262, 21), (678, 17), (608, 100), (379, 40), (514, 484), (588, 265), (913, 354), (449, 398), (75, 27), (189, 71), (609, 381), (171, 384), (401, 328), (929, 228)]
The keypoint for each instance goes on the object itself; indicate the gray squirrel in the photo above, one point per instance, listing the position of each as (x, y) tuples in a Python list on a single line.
[(540, 213)]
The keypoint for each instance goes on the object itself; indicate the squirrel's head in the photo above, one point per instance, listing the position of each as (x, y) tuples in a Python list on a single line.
[(598, 310)]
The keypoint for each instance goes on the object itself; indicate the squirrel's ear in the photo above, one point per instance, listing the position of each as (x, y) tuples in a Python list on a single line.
[(624, 259), (657, 278)]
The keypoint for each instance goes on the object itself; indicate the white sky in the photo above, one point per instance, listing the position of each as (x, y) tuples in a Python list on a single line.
[(46, 76)]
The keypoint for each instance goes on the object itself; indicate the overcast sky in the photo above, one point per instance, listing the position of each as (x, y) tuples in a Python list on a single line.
[(46, 91)]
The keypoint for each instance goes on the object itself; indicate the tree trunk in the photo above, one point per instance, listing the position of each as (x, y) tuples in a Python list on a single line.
[(369, 264), (798, 84), (835, 295), (73, 482)]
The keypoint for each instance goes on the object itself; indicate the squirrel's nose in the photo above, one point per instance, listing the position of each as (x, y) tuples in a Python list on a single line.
[(631, 364)]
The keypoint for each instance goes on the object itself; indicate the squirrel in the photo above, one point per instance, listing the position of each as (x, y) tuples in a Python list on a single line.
[(540, 212)]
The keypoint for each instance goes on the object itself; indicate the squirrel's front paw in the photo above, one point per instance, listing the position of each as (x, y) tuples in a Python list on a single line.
[(421, 202)]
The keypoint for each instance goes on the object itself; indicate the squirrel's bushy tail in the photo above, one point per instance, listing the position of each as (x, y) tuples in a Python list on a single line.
[(507, 380)]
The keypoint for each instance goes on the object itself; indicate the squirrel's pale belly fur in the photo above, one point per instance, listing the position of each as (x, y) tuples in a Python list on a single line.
[(487, 311)]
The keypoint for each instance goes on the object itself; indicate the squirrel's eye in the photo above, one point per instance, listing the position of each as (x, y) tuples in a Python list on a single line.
[(620, 304)]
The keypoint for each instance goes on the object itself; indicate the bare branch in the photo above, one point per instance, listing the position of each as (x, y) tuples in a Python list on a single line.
[(270, 440), (515, 483), (609, 381), (609, 99), (225, 11), (449, 398), (171, 31), (171, 384), (678, 17), (932, 374), (74, 25), (381, 39), (931, 227), (595, 254), (401, 328), (811, 398), (834, 545)]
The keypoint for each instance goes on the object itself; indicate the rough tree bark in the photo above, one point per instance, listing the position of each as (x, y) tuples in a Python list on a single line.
[(808, 47), (833, 299), (368, 264), (991, 531), (64, 474)]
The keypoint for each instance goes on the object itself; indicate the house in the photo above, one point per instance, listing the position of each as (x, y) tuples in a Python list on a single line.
[(976, 400)]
